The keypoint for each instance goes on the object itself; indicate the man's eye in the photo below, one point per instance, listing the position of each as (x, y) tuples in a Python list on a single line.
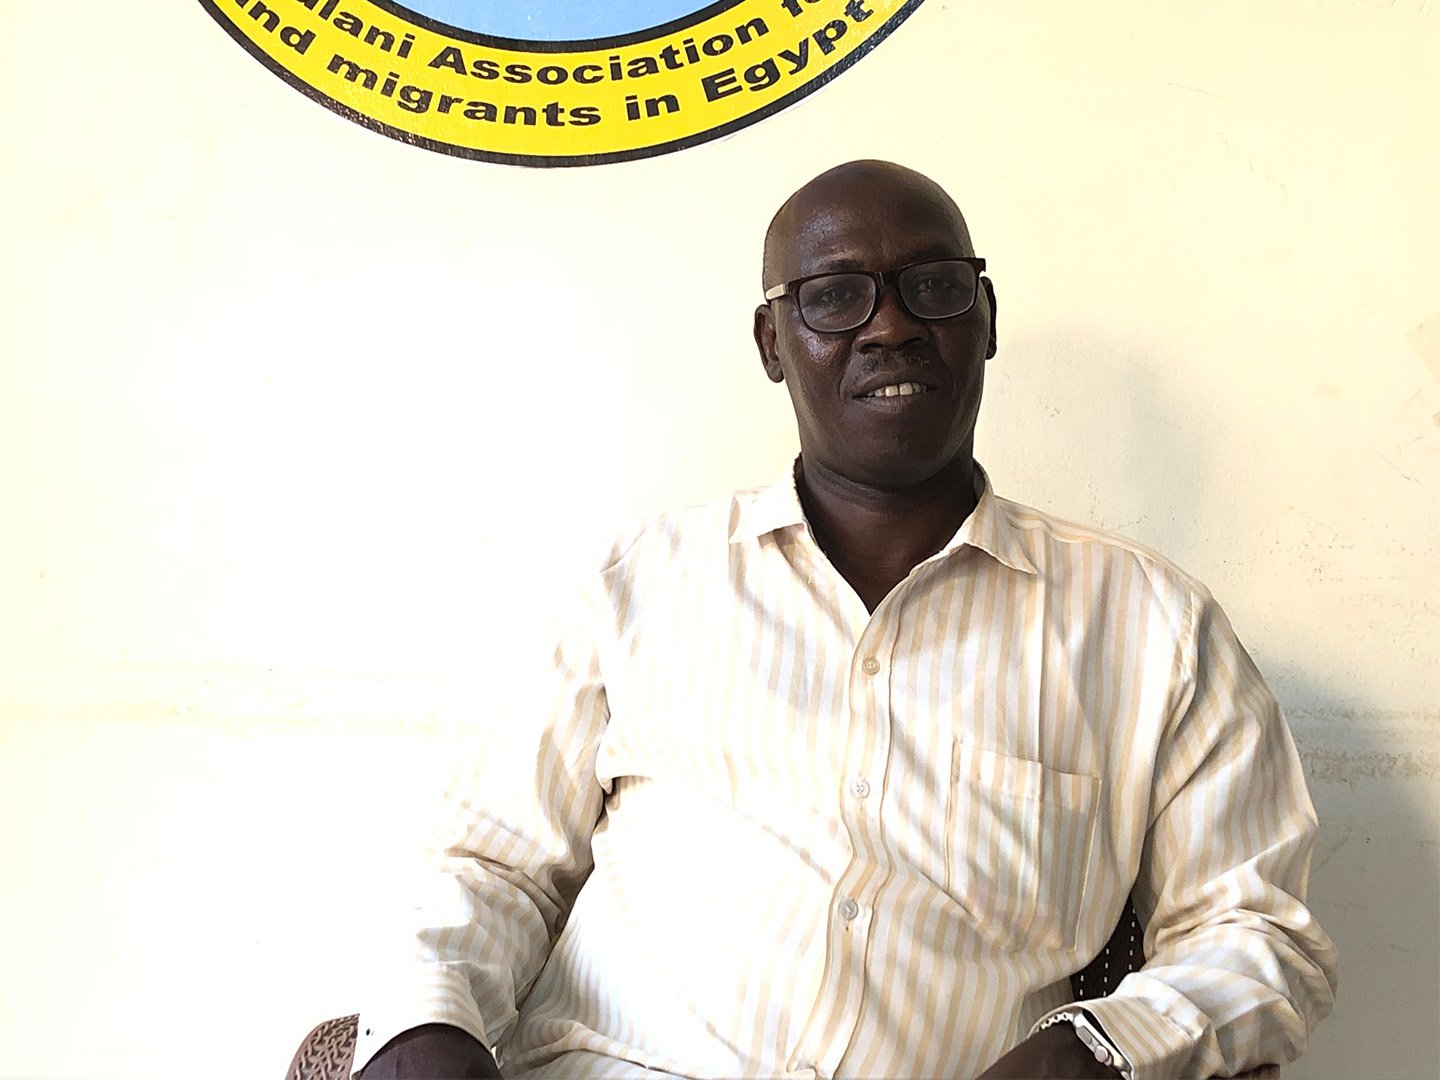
[(937, 285), (832, 295)]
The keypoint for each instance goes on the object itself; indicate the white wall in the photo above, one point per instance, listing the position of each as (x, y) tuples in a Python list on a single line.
[(287, 443)]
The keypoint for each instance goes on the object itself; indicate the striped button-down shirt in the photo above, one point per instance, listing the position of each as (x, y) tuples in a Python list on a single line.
[(745, 827)]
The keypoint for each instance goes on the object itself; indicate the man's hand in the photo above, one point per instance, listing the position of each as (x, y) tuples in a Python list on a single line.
[(429, 1051), (1056, 1053)]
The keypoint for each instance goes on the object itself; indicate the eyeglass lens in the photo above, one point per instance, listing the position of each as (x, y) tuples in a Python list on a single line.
[(934, 290)]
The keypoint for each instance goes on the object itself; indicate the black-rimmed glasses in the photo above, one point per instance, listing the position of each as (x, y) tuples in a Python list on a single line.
[(836, 302)]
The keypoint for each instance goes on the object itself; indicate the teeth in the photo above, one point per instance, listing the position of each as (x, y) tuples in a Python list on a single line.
[(904, 389)]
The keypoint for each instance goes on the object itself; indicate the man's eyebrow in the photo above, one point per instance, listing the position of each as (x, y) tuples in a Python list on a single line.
[(844, 263)]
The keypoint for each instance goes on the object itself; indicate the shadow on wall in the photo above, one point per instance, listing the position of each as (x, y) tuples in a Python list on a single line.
[(1375, 779)]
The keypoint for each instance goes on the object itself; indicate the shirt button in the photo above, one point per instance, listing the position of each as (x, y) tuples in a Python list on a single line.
[(849, 909), (870, 665), (860, 788)]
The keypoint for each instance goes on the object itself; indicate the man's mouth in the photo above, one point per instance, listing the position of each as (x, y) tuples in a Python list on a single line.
[(904, 389)]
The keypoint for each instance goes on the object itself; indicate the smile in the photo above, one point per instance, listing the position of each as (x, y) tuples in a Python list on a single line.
[(904, 389)]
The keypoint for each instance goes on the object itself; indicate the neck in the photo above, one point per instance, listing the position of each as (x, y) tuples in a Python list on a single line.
[(875, 537)]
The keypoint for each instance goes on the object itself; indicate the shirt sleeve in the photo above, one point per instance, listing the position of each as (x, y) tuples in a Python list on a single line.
[(1239, 972), (506, 862)]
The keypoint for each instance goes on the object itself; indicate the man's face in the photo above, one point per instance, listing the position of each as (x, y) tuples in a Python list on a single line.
[(881, 442)]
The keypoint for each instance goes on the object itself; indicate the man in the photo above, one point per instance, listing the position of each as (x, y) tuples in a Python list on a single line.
[(848, 775)]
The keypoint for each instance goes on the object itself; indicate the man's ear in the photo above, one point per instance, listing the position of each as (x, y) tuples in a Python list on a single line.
[(765, 342), (989, 288)]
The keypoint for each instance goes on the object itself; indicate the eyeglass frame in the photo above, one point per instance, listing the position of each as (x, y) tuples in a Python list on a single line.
[(881, 279)]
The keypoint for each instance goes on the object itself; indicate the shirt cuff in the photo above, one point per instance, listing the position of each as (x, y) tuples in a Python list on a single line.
[(442, 998), (1153, 1044)]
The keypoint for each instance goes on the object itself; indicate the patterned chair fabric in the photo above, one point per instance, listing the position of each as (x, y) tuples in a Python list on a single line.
[(327, 1051)]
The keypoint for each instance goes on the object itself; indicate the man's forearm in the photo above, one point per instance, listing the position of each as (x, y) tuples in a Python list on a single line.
[(1056, 1053), (429, 1051)]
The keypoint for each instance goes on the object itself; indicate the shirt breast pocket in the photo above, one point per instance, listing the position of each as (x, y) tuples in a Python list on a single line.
[(1018, 839)]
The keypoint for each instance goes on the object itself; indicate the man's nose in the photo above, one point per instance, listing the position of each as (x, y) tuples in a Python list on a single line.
[(891, 324)]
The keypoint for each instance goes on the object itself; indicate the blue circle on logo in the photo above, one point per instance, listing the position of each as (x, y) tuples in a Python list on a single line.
[(555, 20)]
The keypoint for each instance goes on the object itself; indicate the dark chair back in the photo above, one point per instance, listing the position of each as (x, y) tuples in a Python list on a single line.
[(1122, 954)]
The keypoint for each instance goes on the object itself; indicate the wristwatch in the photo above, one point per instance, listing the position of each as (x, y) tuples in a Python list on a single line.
[(1095, 1040)]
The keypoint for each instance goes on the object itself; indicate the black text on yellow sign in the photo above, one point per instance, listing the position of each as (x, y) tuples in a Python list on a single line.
[(550, 103)]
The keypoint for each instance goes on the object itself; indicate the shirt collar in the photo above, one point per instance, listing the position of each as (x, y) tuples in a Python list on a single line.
[(769, 509), (989, 526), (991, 529)]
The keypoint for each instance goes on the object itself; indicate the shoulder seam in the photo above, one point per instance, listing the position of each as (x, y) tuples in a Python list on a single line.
[(1067, 531), (626, 541)]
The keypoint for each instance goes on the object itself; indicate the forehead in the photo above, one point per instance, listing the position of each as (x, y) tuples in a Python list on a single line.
[(871, 227)]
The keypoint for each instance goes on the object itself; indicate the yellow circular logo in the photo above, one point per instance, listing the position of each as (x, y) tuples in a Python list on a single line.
[(553, 82)]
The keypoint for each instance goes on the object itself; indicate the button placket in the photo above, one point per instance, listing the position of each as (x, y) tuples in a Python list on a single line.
[(837, 1010)]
